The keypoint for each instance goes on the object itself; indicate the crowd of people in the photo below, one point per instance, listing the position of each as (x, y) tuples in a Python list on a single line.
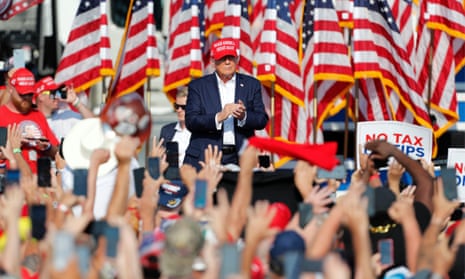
[(92, 217)]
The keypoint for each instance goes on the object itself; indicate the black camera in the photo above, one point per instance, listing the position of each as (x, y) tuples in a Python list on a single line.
[(62, 92)]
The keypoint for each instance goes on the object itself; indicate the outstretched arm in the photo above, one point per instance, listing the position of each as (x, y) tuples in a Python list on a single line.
[(124, 151), (424, 181)]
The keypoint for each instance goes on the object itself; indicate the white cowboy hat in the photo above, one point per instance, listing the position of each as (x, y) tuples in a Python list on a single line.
[(85, 137)]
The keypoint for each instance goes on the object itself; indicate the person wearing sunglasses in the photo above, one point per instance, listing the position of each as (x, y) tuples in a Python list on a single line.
[(56, 103), (177, 131), (223, 108), (37, 138)]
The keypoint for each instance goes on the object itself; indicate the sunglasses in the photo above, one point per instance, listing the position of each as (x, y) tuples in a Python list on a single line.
[(177, 106), (51, 94)]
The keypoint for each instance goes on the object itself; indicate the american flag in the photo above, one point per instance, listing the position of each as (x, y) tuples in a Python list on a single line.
[(215, 13), (279, 70), (437, 82), (15, 7), (184, 45), (344, 9), (402, 13), (327, 70), (86, 57), (296, 9), (256, 23), (237, 27), (138, 57), (278, 58), (379, 52), (447, 15)]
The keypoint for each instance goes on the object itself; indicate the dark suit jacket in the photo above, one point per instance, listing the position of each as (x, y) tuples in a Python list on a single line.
[(167, 132), (203, 103)]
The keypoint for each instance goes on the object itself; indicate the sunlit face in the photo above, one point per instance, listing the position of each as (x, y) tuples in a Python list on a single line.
[(180, 107), (226, 67), (48, 100)]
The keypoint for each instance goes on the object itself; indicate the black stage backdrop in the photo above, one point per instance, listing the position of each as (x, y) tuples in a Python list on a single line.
[(277, 186)]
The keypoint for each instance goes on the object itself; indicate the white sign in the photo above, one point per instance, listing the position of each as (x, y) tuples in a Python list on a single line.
[(415, 141), (456, 159)]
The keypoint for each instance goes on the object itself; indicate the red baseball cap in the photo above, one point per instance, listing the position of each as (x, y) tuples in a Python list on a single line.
[(23, 81), (282, 216), (257, 269), (224, 47), (45, 84)]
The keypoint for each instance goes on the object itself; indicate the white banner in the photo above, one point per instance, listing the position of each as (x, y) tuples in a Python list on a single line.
[(456, 159), (415, 141)]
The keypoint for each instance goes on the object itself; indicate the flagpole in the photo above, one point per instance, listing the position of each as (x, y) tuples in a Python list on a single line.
[(272, 116), (315, 110), (104, 92), (430, 72), (346, 116), (272, 130), (148, 101)]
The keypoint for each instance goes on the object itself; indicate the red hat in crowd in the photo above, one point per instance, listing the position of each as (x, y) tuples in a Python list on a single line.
[(282, 215), (23, 81), (45, 84), (257, 269), (224, 47)]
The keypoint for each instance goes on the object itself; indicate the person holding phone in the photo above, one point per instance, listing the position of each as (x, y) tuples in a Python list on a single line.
[(38, 140), (57, 109), (223, 108), (177, 131)]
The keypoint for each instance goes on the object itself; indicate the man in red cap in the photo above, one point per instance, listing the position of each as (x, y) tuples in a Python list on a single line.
[(223, 108), (38, 139), (51, 101)]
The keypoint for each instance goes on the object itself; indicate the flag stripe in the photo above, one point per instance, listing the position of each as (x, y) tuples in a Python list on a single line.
[(184, 46), (86, 56)]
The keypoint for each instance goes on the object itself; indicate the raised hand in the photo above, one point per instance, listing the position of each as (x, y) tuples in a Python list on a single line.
[(126, 148)]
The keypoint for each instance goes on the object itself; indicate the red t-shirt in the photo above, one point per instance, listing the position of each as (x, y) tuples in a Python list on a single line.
[(33, 125)]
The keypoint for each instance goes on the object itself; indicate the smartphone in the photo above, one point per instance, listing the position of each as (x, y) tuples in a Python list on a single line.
[(83, 252), (449, 183), (172, 153), (230, 263), (12, 178), (295, 263), (264, 161), (62, 92), (112, 236), (63, 249), (172, 157), (312, 266), (37, 214), (44, 179), (138, 179), (3, 136), (385, 248), (305, 213), (80, 182), (338, 172), (153, 166), (370, 194), (200, 194), (2, 183), (292, 264)]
